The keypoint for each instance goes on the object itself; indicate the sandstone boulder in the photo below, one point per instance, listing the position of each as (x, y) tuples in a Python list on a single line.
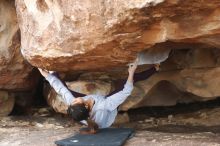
[(187, 75), (6, 103), (14, 70), (92, 35), (99, 35)]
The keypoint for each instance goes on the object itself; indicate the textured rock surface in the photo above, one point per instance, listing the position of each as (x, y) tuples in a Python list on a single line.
[(6, 103), (86, 35), (14, 70), (96, 35), (188, 75)]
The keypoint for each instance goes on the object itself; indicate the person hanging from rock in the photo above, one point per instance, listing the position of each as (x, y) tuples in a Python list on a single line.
[(97, 111)]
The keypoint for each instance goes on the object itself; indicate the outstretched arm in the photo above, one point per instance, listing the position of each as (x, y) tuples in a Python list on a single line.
[(58, 86), (113, 101), (74, 93)]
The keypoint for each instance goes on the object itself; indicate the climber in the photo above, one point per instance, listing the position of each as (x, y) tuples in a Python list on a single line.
[(97, 111)]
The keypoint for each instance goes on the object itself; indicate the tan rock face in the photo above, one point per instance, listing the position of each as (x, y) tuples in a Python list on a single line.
[(14, 70), (66, 35), (93, 35), (188, 75), (6, 103)]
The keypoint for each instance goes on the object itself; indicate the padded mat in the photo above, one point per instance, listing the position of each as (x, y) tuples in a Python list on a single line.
[(104, 137)]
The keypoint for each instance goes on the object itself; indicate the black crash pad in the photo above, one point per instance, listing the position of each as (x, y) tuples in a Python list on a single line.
[(105, 137)]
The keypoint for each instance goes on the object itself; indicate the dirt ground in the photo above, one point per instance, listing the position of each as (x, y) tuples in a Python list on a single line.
[(196, 128)]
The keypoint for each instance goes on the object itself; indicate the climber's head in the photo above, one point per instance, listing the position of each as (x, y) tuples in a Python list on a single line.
[(78, 112)]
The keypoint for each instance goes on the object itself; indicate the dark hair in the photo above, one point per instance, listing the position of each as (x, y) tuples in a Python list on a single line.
[(78, 112)]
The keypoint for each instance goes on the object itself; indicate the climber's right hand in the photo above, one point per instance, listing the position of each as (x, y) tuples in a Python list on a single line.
[(157, 66)]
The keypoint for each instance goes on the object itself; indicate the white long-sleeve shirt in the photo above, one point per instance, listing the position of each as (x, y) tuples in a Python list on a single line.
[(104, 109)]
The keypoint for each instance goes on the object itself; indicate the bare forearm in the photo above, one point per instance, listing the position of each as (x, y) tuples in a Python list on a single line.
[(130, 78), (131, 71)]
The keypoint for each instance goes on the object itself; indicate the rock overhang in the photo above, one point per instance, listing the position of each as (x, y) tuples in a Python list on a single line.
[(97, 35)]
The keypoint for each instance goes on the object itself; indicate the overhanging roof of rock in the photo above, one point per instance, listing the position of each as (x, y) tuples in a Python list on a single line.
[(93, 34)]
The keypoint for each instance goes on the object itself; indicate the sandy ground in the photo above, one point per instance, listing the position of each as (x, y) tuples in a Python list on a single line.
[(198, 128)]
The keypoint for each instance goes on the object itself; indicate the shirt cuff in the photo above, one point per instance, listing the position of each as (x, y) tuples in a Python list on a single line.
[(129, 85), (49, 77)]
